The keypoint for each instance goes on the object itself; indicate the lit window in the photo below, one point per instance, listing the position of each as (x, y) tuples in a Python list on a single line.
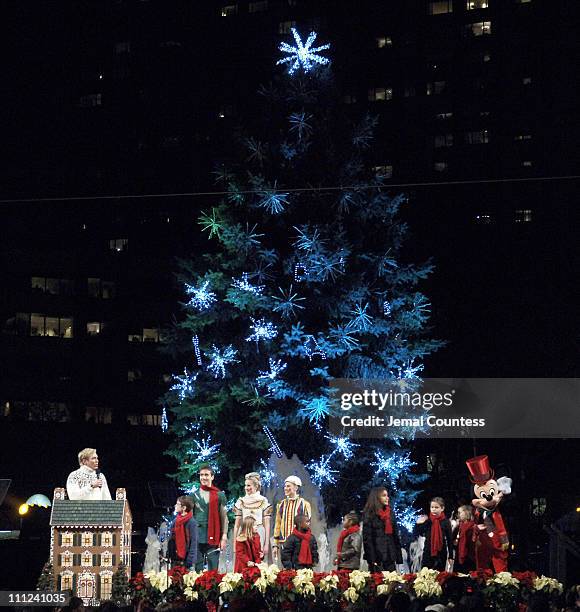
[(59, 327), (151, 334), (443, 116), (438, 87), (229, 10), (107, 558), (538, 506), (383, 41), (284, 27), (385, 171), (66, 559), (106, 585), (486, 57), (409, 91), (483, 219), (257, 7), (527, 80), (107, 539), (119, 244), (440, 166), (477, 4), (38, 283), (66, 581), (484, 113), (527, 163), (122, 47), (349, 99), (67, 539), (381, 94), (93, 328), (479, 28), (523, 215), (90, 100), (520, 137), (135, 337), (52, 286), (523, 1), (477, 137), (87, 539), (439, 7), (443, 140)]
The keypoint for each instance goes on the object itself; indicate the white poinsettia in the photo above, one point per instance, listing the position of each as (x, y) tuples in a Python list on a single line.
[(190, 594), (328, 583), (159, 580), (190, 578), (261, 584), (389, 577), (269, 572), (351, 594), (303, 582), (230, 581), (504, 578), (426, 585), (358, 579), (548, 584)]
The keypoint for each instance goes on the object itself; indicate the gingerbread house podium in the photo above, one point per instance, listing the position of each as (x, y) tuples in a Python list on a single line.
[(88, 542)]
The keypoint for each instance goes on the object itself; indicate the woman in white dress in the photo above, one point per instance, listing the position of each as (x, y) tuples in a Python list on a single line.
[(256, 505)]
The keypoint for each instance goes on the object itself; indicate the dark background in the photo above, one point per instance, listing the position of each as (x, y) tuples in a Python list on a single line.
[(141, 97)]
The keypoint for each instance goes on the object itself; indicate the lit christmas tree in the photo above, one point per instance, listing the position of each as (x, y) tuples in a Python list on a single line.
[(304, 282)]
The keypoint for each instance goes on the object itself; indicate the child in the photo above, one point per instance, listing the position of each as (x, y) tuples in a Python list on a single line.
[(182, 544), (382, 548), (464, 541), (349, 543), (300, 549), (437, 531), (248, 547)]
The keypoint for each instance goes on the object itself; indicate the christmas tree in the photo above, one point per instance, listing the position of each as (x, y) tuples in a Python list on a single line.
[(303, 281), (120, 585), (46, 578)]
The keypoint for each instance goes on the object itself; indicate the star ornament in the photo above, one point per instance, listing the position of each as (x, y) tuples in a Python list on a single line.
[(302, 55)]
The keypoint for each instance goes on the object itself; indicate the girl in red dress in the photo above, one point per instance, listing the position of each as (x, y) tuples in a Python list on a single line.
[(248, 548)]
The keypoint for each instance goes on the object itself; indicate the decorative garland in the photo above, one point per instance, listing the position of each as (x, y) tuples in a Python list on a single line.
[(276, 589)]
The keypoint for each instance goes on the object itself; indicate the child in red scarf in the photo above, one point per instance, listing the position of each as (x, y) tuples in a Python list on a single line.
[(182, 545), (464, 540), (438, 540), (300, 549), (248, 548), (349, 543)]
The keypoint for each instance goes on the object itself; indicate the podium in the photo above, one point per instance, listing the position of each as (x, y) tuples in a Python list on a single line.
[(88, 541)]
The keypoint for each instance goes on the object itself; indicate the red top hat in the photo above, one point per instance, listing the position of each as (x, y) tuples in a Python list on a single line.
[(479, 469)]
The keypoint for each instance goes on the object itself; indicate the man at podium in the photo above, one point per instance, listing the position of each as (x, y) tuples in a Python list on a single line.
[(88, 482)]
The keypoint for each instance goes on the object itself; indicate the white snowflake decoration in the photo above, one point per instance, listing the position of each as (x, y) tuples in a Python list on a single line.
[(276, 367), (184, 385), (303, 55), (320, 471), (201, 297), (219, 359), (262, 330), (203, 450)]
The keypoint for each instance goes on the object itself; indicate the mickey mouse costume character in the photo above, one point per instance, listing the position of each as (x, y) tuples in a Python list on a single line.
[(491, 537)]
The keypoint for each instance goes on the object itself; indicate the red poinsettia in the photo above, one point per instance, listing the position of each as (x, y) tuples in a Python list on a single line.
[(481, 575), (377, 578), (250, 575), (176, 574), (409, 577), (443, 577), (209, 579), (526, 578), (285, 577), (343, 579)]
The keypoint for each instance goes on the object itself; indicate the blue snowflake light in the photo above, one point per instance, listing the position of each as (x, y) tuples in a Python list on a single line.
[(342, 445), (203, 450), (164, 420), (393, 465), (265, 378), (408, 518), (344, 337), (361, 321), (244, 285), (184, 385), (219, 359), (262, 330), (273, 201), (314, 409), (320, 471), (303, 55), (287, 303), (267, 475), (201, 297)]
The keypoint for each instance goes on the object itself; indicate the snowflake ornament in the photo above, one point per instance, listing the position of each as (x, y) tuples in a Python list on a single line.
[(303, 55)]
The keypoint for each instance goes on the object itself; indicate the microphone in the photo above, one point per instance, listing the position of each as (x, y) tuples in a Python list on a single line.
[(98, 474)]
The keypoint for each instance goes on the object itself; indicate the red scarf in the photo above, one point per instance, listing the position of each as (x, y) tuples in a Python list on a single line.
[(213, 521), (181, 534), (464, 544), (385, 516), (343, 534), (436, 533), (305, 554)]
